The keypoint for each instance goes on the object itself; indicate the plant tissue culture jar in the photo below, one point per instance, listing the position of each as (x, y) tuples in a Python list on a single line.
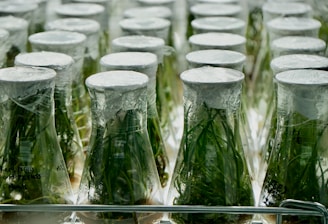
[(211, 168), (145, 63), (297, 166), (66, 127), (120, 167), (32, 166)]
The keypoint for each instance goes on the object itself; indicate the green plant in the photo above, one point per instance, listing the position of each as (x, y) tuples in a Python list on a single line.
[(211, 169)]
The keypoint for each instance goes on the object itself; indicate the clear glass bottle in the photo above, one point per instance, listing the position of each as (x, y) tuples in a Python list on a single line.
[(120, 168), (91, 29), (168, 87), (216, 40), (18, 34), (32, 166), (72, 44), (297, 165), (211, 169), (88, 11), (145, 63), (66, 127)]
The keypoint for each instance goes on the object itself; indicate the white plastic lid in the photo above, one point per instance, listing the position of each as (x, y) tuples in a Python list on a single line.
[(81, 25), (13, 24), (148, 11), (298, 61), (138, 42), (134, 59), (155, 2), (208, 9), (303, 77), (16, 8), (117, 80), (219, 24), (292, 25), (275, 9), (217, 40), (144, 23), (221, 58), (57, 37), (208, 75), (54, 60), (26, 75), (79, 9), (298, 44), (219, 1)]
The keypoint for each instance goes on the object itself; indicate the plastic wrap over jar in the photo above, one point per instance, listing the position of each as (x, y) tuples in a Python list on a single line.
[(272, 10), (216, 58), (298, 45), (201, 10), (216, 40), (147, 26), (66, 127), (167, 3), (149, 11), (219, 24), (293, 26), (211, 168), (33, 170), (18, 33), (103, 3), (120, 168), (299, 147), (91, 29)]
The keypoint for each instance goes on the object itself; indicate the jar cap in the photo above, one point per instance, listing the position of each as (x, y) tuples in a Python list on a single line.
[(298, 44), (278, 9), (217, 40), (53, 60), (13, 8), (117, 80), (293, 25), (144, 23), (219, 24), (221, 58), (79, 9), (81, 25), (298, 61), (215, 9), (155, 2), (219, 1), (129, 59), (303, 77), (138, 43), (13, 24), (149, 11), (26, 74), (57, 37), (211, 75)]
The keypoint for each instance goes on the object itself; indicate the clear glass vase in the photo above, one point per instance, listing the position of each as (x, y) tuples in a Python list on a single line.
[(211, 168), (297, 165), (66, 127), (32, 166), (120, 167)]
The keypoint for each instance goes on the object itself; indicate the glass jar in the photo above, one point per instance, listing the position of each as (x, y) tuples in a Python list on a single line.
[(297, 165), (91, 29), (215, 40), (297, 45), (120, 167), (66, 127), (168, 86), (88, 11), (72, 44), (211, 169), (145, 63), (32, 167), (18, 34)]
